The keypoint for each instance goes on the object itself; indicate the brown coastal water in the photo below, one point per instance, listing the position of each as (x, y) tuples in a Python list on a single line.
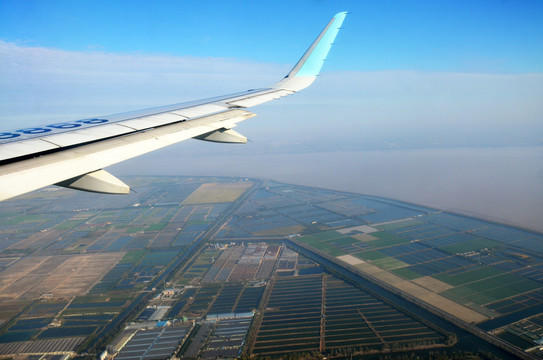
[(500, 184)]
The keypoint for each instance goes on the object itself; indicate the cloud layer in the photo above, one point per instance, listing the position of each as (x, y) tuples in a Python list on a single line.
[(326, 135), (40, 83), (342, 110)]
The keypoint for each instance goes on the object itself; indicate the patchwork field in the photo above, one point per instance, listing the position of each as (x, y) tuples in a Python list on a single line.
[(481, 272), (468, 268)]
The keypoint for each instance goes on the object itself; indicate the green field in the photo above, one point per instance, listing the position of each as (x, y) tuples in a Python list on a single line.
[(371, 255), (134, 229), (158, 257), (319, 237), (384, 239), (156, 227), (406, 273), (69, 224), (328, 242), (472, 245), (389, 263), (399, 224), (19, 220), (331, 242), (132, 256), (492, 289), (469, 276)]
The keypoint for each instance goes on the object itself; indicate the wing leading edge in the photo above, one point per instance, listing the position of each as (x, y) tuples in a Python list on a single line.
[(73, 154)]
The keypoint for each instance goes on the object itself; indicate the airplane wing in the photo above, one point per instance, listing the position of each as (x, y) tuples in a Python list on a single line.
[(73, 154)]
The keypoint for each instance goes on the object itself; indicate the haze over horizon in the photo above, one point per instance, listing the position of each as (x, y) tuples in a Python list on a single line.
[(462, 80)]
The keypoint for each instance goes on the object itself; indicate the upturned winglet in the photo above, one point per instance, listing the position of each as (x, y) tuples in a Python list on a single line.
[(308, 67)]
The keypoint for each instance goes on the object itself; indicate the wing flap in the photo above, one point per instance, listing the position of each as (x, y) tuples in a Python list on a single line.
[(87, 135), (147, 122), (30, 146)]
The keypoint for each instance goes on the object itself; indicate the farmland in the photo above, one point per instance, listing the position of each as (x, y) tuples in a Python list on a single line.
[(300, 308), (69, 267), (208, 255), (436, 259), (212, 193), (60, 276)]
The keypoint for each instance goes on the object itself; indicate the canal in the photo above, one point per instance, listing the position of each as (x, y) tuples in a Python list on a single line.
[(467, 341)]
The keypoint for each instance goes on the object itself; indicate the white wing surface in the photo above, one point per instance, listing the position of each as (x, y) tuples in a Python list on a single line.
[(73, 154)]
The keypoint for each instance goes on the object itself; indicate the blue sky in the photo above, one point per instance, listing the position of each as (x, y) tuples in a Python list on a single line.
[(488, 36)]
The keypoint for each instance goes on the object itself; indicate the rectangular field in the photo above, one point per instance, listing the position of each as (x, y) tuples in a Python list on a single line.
[(58, 276), (217, 193)]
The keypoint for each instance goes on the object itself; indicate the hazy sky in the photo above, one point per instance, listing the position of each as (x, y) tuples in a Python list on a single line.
[(402, 75)]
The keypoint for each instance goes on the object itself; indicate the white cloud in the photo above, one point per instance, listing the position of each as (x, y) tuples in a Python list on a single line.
[(342, 109), (38, 83)]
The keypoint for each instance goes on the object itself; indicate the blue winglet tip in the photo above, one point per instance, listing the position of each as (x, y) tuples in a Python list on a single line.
[(312, 61)]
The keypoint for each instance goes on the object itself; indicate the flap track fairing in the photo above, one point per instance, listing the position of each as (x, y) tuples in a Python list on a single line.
[(223, 135), (99, 181)]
